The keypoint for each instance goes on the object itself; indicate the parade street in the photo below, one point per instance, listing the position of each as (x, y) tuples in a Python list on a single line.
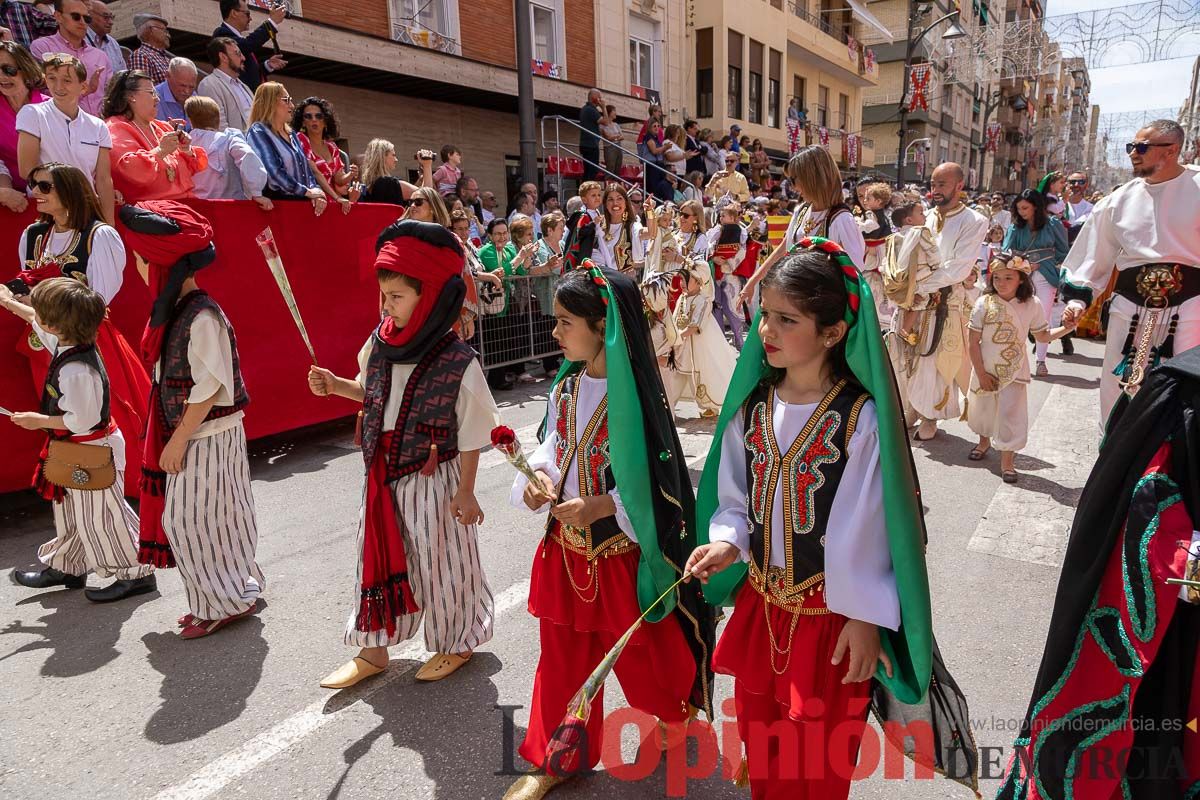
[(106, 701)]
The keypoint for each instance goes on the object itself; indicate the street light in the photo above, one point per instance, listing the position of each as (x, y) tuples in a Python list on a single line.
[(954, 31)]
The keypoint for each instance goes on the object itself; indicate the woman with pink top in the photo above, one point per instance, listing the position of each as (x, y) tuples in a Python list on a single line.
[(317, 130), (151, 159), (19, 77)]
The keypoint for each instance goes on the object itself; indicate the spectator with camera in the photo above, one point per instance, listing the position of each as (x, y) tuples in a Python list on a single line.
[(254, 67), (379, 162)]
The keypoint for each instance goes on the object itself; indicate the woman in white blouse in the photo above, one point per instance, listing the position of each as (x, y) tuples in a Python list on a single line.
[(620, 243), (815, 175)]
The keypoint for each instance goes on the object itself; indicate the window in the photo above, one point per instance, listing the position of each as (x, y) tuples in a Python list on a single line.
[(800, 90), (734, 108), (773, 71), (843, 119), (426, 23), (823, 106), (545, 33), (704, 73), (756, 82), (643, 55)]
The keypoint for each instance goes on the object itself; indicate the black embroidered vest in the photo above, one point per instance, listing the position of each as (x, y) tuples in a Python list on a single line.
[(428, 409), (175, 373), (806, 475), (52, 393), (73, 263), (588, 449)]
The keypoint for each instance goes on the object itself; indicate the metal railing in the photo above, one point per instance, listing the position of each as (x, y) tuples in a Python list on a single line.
[(554, 144), (814, 20), (515, 328)]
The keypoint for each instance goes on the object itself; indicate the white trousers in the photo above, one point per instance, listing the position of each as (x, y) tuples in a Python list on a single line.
[(1049, 297), (1001, 416), (444, 570), (96, 532), (210, 523)]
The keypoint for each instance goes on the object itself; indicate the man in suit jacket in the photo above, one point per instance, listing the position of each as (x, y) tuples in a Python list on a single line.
[(236, 14), (233, 97)]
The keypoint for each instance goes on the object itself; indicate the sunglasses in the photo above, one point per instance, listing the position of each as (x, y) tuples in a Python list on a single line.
[(75, 15), (9, 70), (419, 201), (45, 187), (1143, 147), (316, 115), (1077, 183)]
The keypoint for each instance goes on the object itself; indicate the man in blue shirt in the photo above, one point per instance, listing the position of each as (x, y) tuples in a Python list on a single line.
[(182, 77)]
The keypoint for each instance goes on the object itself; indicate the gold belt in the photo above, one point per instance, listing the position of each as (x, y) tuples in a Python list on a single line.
[(578, 541), (806, 598)]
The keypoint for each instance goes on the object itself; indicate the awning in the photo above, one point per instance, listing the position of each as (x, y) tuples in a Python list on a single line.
[(860, 10)]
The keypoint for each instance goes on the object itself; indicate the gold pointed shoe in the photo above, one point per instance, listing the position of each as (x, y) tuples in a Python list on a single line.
[(441, 665), (533, 786), (353, 671)]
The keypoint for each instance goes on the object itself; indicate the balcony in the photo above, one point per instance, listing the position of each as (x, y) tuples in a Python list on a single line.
[(423, 37), (825, 46)]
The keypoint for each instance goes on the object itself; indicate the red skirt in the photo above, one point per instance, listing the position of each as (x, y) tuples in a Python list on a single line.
[(129, 390), (584, 608), (799, 724)]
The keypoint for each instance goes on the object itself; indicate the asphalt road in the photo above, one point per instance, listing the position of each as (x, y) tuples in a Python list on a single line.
[(107, 701)]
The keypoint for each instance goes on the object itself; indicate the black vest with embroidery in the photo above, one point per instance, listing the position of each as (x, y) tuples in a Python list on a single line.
[(72, 263), (588, 448), (806, 475), (52, 392), (175, 373), (428, 409)]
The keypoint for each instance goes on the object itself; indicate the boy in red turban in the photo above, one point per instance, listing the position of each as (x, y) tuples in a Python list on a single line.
[(197, 508), (426, 414)]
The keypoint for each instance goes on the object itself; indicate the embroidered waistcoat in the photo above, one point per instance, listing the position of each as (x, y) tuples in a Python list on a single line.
[(588, 448), (175, 381), (52, 392), (806, 475), (428, 409)]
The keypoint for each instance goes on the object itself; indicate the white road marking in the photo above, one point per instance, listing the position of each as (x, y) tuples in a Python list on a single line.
[(218, 774), (1032, 524)]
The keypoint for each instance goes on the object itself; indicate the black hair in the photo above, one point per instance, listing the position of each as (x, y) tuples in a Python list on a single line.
[(116, 100), (580, 296), (461, 184), (1024, 288), (812, 281), (331, 127), (228, 7), (216, 46), (493, 222), (382, 275), (866, 180), (900, 213), (1038, 201), (549, 194)]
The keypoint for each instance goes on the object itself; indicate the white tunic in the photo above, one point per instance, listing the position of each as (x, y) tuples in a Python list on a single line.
[(844, 230), (106, 261), (859, 580), (210, 360), (603, 254), (591, 392), (958, 240), (82, 400)]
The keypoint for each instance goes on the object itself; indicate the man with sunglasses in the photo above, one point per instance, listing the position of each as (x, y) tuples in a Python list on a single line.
[(1148, 230), (73, 19), (98, 36), (1077, 208), (236, 16)]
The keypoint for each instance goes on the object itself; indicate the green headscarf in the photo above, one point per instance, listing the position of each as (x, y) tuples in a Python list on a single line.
[(910, 648)]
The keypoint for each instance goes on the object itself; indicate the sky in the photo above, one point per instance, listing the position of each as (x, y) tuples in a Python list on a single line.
[(1135, 87)]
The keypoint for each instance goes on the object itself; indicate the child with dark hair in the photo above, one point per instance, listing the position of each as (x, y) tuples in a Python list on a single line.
[(828, 590), (1007, 312), (609, 549), (427, 412), (96, 531), (446, 177)]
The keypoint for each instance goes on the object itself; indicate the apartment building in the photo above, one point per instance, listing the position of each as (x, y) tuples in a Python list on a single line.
[(948, 125), (423, 73), (752, 57), (1189, 118)]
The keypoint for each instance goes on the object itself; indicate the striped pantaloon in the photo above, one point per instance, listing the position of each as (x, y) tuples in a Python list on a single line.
[(443, 568), (209, 522), (96, 532)]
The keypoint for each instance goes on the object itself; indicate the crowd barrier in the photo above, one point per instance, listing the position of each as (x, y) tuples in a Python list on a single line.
[(521, 332), (330, 263)]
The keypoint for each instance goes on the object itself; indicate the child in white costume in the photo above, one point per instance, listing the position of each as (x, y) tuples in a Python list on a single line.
[(1003, 318), (704, 358)]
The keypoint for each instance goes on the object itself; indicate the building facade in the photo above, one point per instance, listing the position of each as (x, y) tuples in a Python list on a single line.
[(751, 58), (1189, 118), (423, 73)]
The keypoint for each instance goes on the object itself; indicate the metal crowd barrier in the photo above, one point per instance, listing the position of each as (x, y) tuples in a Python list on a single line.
[(521, 331)]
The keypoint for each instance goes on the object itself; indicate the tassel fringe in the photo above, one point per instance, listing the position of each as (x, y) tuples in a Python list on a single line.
[(431, 462), (380, 605)]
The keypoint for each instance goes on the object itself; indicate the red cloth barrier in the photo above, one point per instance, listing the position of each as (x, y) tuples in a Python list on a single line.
[(330, 262)]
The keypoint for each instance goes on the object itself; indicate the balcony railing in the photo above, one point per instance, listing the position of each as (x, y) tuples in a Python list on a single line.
[(423, 37), (814, 20)]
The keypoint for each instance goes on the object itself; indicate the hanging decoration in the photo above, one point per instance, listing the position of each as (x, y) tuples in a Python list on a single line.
[(994, 130), (919, 80), (853, 150), (852, 47), (869, 59), (920, 160), (793, 135), (823, 136)]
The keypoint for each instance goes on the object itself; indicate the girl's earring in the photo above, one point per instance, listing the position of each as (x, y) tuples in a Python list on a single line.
[(625, 217)]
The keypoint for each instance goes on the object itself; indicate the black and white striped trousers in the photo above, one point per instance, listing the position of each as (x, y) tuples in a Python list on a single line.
[(209, 521), (96, 532), (443, 568)]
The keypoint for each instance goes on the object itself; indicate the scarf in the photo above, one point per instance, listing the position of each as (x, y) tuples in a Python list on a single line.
[(433, 255)]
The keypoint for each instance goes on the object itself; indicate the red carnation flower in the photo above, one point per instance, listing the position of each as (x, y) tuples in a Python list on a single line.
[(503, 436)]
